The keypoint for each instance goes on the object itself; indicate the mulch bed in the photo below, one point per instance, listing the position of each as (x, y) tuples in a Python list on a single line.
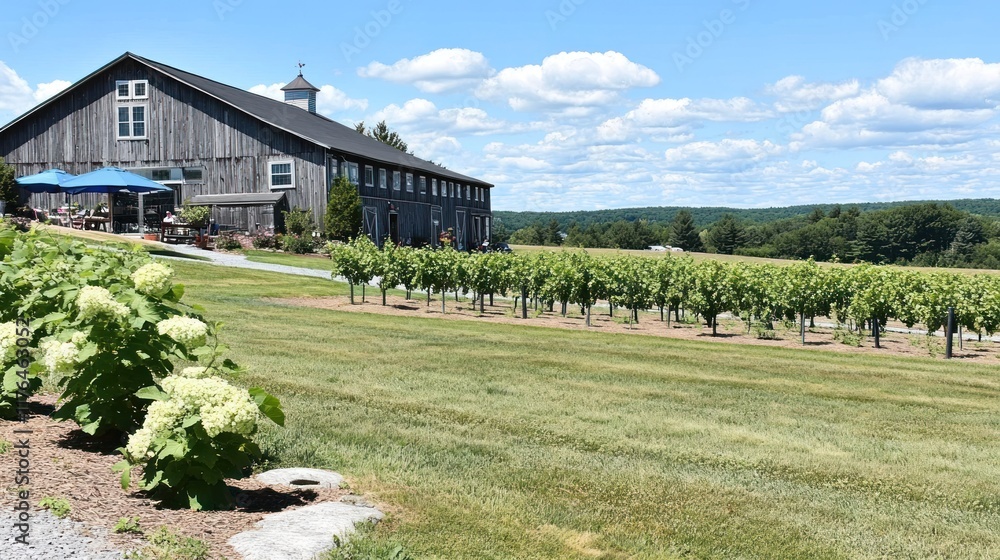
[(66, 463)]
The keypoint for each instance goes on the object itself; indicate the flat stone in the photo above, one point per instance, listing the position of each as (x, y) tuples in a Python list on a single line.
[(301, 534), (302, 478)]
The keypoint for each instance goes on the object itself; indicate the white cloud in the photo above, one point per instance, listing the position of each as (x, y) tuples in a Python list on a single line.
[(726, 155), (943, 83), (677, 116), (17, 96), (568, 80), (436, 72), (422, 115), (795, 94), (329, 100)]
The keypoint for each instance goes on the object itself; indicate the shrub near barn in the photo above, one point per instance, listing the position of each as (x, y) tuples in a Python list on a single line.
[(109, 329)]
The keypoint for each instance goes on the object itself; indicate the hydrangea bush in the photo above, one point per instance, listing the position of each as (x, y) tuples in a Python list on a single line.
[(197, 433), (109, 329)]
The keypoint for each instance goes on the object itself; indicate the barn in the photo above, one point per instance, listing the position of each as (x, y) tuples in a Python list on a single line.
[(248, 156)]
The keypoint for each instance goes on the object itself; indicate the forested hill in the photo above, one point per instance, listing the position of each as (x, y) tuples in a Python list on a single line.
[(704, 217)]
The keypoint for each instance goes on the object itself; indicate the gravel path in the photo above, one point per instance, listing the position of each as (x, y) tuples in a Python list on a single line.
[(51, 538)]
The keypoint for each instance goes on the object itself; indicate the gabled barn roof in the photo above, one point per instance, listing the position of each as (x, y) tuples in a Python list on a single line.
[(309, 126)]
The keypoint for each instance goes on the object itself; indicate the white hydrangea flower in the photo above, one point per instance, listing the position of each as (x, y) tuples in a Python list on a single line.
[(153, 279), (223, 407), (196, 372), (94, 300), (8, 341), (186, 330), (139, 442), (59, 357), (79, 338), (238, 416), (162, 416)]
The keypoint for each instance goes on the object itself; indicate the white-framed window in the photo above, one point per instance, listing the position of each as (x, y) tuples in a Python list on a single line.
[(476, 193), (281, 174), (468, 192), (369, 176), (131, 89), (423, 185), (123, 89), (396, 180), (351, 171), (383, 181), (409, 182), (434, 187), (451, 189), (131, 121)]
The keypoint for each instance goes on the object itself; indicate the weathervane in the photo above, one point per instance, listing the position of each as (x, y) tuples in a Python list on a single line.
[(301, 66)]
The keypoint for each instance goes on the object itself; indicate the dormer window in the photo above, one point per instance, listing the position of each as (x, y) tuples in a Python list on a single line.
[(127, 90)]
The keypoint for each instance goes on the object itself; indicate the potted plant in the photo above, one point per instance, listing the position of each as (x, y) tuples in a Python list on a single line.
[(197, 217)]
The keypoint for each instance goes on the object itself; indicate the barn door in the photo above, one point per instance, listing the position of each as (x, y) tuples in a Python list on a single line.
[(371, 223), (436, 226), (460, 229)]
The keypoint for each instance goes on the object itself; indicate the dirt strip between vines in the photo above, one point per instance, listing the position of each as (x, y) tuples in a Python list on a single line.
[(731, 331)]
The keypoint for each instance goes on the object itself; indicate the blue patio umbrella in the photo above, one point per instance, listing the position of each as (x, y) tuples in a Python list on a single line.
[(112, 180), (50, 181)]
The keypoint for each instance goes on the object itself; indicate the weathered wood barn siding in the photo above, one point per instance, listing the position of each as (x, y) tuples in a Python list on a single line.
[(414, 209), (185, 128)]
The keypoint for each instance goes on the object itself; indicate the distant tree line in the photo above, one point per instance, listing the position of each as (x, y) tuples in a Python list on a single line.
[(926, 234), (707, 216)]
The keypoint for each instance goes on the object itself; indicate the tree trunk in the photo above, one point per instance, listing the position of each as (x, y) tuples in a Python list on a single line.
[(363, 286), (428, 297), (564, 304), (677, 313), (383, 297), (715, 325), (876, 329), (491, 300), (668, 316), (661, 313), (482, 303), (611, 312), (352, 292), (444, 301), (635, 314), (524, 303), (588, 315), (802, 327)]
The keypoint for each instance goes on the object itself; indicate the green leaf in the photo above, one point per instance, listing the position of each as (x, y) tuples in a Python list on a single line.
[(269, 405), (126, 469), (173, 449), (191, 421), (152, 394), (175, 294)]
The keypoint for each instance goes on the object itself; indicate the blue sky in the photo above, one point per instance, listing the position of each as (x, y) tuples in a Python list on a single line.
[(586, 104)]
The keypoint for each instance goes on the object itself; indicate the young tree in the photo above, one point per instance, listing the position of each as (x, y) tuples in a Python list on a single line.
[(711, 291), (8, 187), (343, 211), (684, 234)]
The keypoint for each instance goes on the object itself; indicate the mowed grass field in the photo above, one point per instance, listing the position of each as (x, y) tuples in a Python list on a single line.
[(500, 441)]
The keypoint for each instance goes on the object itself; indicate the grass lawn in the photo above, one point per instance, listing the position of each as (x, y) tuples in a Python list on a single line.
[(500, 441), (288, 259)]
